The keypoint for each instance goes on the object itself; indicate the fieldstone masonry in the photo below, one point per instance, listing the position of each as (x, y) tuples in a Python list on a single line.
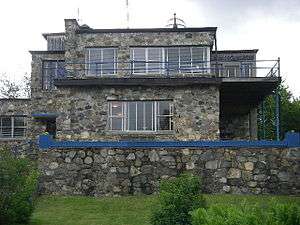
[(98, 172)]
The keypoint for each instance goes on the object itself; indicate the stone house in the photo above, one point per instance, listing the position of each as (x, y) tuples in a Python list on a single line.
[(150, 83)]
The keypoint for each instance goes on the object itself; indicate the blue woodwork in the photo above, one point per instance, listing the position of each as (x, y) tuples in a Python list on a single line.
[(291, 140)]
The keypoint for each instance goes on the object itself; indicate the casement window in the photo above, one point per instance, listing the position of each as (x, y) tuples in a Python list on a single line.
[(56, 43), (232, 71), (101, 61), (52, 70), (12, 126), (140, 115), (147, 60), (217, 69), (247, 69)]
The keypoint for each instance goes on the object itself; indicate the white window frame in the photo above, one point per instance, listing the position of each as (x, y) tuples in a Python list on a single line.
[(165, 60), (12, 127), (45, 69), (154, 121), (100, 72)]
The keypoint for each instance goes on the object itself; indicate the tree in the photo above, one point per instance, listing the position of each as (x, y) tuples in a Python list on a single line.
[(12, 89), (289, 114)]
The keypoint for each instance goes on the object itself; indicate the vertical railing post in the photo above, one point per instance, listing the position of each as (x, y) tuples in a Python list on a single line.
[(278, 65), (277, 113), (263, 119)]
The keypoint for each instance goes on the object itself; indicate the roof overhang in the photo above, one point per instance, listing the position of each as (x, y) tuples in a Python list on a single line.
[(139, 81), (239, 95), (44, 116)]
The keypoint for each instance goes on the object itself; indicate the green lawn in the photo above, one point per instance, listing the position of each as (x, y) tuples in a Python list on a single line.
[(58, 210)]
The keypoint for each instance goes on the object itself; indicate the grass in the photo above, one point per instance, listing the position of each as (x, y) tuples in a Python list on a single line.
[(133, 210)]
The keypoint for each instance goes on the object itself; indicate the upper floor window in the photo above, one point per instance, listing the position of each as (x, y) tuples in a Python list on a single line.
[(12, 126), (170, 60), (56, 43), (141, 115), (52, 70), (100, 61)]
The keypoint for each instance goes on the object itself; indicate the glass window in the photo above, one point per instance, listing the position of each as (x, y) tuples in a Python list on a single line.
[(52, 70), (170, 60), (12, 126), (247, 69), (141, 115), (100, 61)]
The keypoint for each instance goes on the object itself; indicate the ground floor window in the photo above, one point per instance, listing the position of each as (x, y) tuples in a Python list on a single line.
[(12, 126), (140, 115)]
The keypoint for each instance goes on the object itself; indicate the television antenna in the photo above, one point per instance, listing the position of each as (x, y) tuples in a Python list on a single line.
[(175, 22)]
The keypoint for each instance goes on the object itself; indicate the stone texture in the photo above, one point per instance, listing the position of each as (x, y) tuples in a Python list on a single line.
[(100, 174)]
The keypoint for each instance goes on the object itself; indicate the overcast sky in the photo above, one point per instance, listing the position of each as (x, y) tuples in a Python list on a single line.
[(272, 26)]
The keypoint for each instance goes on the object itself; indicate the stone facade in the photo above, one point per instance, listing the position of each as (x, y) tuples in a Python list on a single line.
[(98, 172)]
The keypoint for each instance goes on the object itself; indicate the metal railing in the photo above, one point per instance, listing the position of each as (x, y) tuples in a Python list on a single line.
[(235, 69)]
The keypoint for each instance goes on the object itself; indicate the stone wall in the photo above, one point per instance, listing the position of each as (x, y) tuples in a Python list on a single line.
[(98, 172), (84, 112)]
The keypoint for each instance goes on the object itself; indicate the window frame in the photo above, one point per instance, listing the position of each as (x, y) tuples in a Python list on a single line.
[(164, 68), (125, 127), (88, 59), (13, 127), (51, 86)]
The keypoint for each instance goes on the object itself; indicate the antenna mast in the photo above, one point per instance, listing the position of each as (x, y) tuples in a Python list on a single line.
[(127, 13), (78, 18), (175, 22)]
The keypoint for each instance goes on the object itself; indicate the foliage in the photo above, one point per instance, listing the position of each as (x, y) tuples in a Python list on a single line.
[(13, 89), (276, 214), (177, 198), (18, 179), (289, 114)]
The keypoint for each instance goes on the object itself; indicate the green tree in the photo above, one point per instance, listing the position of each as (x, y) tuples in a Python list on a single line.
[(289, 114)]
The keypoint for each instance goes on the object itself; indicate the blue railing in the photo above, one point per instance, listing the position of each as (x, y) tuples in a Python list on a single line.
[(47, 142)]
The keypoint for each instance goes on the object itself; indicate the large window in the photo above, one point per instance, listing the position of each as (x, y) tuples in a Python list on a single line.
[(147, 60), (140, 115), (56, 43), (12, 126), (100, 61), (52, 70)]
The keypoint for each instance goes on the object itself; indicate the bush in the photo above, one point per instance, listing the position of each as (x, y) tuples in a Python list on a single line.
[(18, 179), (276, 214), (177, 198)]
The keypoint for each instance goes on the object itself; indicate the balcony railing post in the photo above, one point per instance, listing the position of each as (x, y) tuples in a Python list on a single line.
[(278, 65)]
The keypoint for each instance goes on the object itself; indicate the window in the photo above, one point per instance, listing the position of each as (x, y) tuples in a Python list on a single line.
[(12, 126), (170, 60), (100, 61), (140, 115), (147, 60), (231, 71), (56, 43), (246, 69), (52, 70)]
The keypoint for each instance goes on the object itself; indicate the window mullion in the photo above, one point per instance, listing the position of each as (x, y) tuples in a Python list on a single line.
[(12, 126)]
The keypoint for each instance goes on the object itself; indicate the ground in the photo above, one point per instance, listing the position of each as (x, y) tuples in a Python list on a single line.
[(133, 210)]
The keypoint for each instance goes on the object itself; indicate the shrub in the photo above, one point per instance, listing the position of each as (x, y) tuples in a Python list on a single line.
[(18, 179), (177, 198), (276, 214)]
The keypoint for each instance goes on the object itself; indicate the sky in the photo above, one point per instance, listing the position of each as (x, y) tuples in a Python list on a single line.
[(272, 26)]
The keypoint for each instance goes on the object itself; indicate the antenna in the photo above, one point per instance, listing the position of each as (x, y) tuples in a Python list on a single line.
[(175, 23), (127, 13), (78, 18)]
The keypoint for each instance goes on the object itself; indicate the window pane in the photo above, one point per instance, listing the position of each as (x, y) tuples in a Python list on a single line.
[(199, 59), (139, 57), (19, 132), (163, 123), (19, 121), (148, 115), (6, 132), (140, 116), (116, 108), (108, 61), (164, 108), (116, 123), (6, 121), (61, 71), (173, 59), (94, 61), (185, 60), (131, 115), (154, 60)]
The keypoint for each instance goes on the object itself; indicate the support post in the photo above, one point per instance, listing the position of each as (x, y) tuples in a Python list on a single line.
[(263, 119), (277, 116), (216, 55)]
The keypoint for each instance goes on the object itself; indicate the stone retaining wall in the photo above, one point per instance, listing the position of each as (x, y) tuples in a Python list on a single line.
[(98, 172)]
